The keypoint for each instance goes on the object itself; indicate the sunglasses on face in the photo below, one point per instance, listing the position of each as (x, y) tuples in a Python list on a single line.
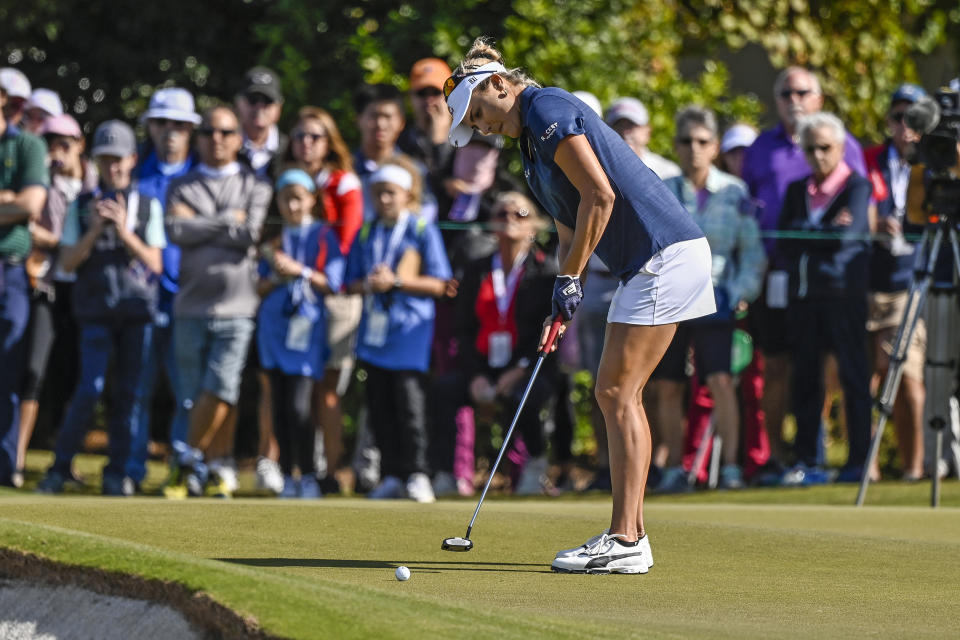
[(518, 214), (301, 136), (427, 92), (786, 94), (454, 81), (702, 142), (811, 149), (211, 131), (898, 116), (259, 99)]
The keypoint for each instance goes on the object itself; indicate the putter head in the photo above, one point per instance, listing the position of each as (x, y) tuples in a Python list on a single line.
[(457, 544)]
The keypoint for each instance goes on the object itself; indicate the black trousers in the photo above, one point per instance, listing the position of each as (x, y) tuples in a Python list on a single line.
[(451, 391), (292, 421), (839, 326), (397, 409)]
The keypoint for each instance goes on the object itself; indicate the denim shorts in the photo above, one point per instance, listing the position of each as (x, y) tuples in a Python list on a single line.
[(211, 353)]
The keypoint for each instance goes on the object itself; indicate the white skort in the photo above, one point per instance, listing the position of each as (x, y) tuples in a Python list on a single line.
[(674, 285)]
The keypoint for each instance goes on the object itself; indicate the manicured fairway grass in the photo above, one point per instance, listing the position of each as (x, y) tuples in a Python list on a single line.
[(723, 568)]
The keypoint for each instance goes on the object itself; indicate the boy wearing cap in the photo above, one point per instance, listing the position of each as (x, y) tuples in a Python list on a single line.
[(891, 271), (23, 191), (170, 119), (258, 105), (112, 239)]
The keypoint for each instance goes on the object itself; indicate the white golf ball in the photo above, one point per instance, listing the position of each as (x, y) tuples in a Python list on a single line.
[(402, 574)]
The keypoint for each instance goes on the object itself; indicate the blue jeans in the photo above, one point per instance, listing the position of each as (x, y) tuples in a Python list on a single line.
[(160, 354), (14, 318), (130, 344)]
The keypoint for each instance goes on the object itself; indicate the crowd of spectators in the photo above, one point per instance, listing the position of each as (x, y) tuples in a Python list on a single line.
[(219, 245)]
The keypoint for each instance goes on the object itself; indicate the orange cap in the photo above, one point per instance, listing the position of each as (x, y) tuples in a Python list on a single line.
[(429, 72)]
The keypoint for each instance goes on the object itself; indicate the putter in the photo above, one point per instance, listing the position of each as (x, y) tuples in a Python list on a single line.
[(465, 543)]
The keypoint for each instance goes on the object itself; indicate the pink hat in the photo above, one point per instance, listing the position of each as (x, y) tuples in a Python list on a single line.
[(62, 125)]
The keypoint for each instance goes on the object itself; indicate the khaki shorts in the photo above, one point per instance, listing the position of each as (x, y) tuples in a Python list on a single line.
[(343, 319), (885, 312)]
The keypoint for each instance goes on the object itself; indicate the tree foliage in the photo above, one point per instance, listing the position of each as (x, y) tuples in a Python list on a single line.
[(106, 57)]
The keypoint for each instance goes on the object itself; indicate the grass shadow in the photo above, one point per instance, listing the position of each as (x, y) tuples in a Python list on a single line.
[(340, 563)]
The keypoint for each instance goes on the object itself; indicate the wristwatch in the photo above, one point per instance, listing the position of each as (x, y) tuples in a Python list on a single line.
[(397, 284)]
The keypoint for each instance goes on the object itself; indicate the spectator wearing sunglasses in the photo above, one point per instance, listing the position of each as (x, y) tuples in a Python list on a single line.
[(498, 297), (891, 270), (425, 138), (317, 147), (215, 214), (827, 291), (258, 105), (772, 162), (717, 201)]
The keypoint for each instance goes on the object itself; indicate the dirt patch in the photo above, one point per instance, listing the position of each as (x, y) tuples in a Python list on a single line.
[(209, 619)]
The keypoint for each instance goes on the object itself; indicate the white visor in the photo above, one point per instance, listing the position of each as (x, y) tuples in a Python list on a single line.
[(394, 174), (458, 102)]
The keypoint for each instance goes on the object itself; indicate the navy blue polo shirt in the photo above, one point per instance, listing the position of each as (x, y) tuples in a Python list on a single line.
[(646, 217)]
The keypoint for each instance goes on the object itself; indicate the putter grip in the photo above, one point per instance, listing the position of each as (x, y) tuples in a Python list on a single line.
[(554, 332)]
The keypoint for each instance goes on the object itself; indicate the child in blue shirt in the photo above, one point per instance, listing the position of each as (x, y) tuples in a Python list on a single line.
[(399, 263), (291, 327)]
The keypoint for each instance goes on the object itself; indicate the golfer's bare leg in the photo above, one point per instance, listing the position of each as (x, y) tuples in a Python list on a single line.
[(630, 354)]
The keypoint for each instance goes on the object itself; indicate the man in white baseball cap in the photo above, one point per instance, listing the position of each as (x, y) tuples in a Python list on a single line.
[(17, 88), (42, 104), (629, 118)]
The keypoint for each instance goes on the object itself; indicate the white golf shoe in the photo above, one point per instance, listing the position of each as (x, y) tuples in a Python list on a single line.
[(644, 546), (608, 554)]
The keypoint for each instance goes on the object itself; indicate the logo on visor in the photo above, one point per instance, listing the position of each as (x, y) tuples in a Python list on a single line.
[(549, 132)]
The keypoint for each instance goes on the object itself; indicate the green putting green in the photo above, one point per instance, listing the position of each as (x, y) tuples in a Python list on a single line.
[(325, 568)]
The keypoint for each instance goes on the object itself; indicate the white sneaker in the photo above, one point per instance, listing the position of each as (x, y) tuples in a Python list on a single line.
[(269, 477), (226, 470), (531, 481), (607, 555), (444, 484), (644, 546), (419, 488), (389, 488)]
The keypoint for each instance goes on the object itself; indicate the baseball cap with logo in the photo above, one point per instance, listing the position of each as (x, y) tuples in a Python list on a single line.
[(114, 138), (457, 89), (61, 125), (14, 83), (46, 100), (907, 93), (263, 81), (429, 73), (172, 103), (628, 109)]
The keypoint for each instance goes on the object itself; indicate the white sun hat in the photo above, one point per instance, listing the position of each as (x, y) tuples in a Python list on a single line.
[(458, 89)]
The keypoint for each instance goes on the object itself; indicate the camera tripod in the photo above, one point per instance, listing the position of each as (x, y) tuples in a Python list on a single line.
[(941, 349)]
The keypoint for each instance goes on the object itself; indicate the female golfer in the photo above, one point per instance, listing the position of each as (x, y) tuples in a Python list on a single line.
[(604, 200)]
